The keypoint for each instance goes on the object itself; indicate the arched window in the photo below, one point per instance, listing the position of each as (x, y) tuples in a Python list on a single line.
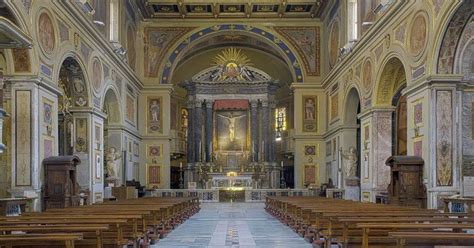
[(114, 20), (352, 20)]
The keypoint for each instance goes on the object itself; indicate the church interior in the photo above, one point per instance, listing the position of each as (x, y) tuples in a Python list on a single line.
[(131, 123)]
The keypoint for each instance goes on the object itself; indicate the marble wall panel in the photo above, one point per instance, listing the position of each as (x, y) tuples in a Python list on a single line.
[(444, 138), (23, 120)]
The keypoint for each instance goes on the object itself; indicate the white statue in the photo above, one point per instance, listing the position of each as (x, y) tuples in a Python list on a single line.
[(231, 120), (350, 163), (112, 168)]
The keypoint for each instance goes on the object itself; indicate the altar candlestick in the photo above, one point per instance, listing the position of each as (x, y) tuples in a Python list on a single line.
[(180, 165), (282, 164)]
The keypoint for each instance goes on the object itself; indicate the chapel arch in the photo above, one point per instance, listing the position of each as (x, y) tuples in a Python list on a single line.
[(74, 94)]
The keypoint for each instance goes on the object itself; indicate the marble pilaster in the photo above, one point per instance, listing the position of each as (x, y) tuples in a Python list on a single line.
[(379, 146), (190, 141)]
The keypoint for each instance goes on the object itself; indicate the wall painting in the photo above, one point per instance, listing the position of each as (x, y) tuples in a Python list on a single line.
[(154, 115), (310, 114), (418, 34), (306, 41), (157, 41), (46, 33)]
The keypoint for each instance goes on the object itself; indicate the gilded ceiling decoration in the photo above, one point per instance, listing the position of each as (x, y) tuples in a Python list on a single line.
[(232, 9)]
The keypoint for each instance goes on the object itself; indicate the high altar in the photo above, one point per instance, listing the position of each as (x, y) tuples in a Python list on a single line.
[(231, 140)]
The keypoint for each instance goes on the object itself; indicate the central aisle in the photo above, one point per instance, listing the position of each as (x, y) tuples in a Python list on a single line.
[(232, 225)]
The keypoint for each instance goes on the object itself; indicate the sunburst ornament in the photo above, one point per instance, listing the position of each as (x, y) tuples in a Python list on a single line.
[(231, 63)]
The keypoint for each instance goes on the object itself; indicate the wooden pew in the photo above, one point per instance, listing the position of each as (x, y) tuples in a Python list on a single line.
[(322, 220), (123, 223), (13, 240), (433, 238)]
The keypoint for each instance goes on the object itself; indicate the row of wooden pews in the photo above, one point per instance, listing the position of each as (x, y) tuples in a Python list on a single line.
[(327, 222), (131, 223)]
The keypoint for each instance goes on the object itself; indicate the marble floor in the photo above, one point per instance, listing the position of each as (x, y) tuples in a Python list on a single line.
[(242, 225)]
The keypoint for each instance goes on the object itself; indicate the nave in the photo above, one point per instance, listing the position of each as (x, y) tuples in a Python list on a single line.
[(243, 225)]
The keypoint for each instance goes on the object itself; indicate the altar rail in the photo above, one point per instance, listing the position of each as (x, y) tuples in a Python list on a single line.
[(212, 195), (205, 195)]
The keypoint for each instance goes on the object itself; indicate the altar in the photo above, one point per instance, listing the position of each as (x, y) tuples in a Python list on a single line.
[(220, 181), (231, 108)]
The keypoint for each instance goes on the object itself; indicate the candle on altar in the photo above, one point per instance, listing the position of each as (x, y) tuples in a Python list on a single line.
[(181, 165), (282, 164)]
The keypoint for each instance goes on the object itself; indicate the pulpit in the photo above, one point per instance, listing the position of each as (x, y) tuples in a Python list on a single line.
[(61, 189), (406, 181)]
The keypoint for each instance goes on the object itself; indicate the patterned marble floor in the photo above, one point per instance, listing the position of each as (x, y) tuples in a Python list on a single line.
[(236, 225)]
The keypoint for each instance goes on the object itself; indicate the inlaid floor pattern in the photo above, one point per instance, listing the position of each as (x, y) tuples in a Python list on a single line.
[(242, 225)]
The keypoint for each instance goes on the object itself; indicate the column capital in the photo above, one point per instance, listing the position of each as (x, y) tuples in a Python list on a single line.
[(264, 103), (198, 103), (253, 103), (209, 103)]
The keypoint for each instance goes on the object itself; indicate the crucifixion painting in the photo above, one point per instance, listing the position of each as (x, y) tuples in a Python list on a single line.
[(231, 124)]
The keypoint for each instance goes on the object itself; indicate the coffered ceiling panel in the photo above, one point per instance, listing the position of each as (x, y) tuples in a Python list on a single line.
[(157, 9)]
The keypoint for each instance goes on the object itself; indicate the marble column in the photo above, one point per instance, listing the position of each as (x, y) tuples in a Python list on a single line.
[(254, 130), (271, 130), (189, 169), (266, 130), (198, 131), (208, 130), (190, 141)]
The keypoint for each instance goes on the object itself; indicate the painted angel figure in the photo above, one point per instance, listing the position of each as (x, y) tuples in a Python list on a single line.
[(231, 119)]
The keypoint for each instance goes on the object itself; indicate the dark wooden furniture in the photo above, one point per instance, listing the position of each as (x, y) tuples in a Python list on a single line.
[(13, 206), (61, 189), (406, 181)]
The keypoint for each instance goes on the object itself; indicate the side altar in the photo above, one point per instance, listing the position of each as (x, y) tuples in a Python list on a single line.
[(231, 139)]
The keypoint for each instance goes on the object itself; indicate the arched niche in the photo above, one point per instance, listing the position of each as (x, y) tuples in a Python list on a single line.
[(352, 107), (74, 95), (111, 107)]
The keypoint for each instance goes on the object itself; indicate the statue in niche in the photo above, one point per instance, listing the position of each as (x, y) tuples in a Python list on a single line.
[(350, 162), (111, 165), (231, 124)]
